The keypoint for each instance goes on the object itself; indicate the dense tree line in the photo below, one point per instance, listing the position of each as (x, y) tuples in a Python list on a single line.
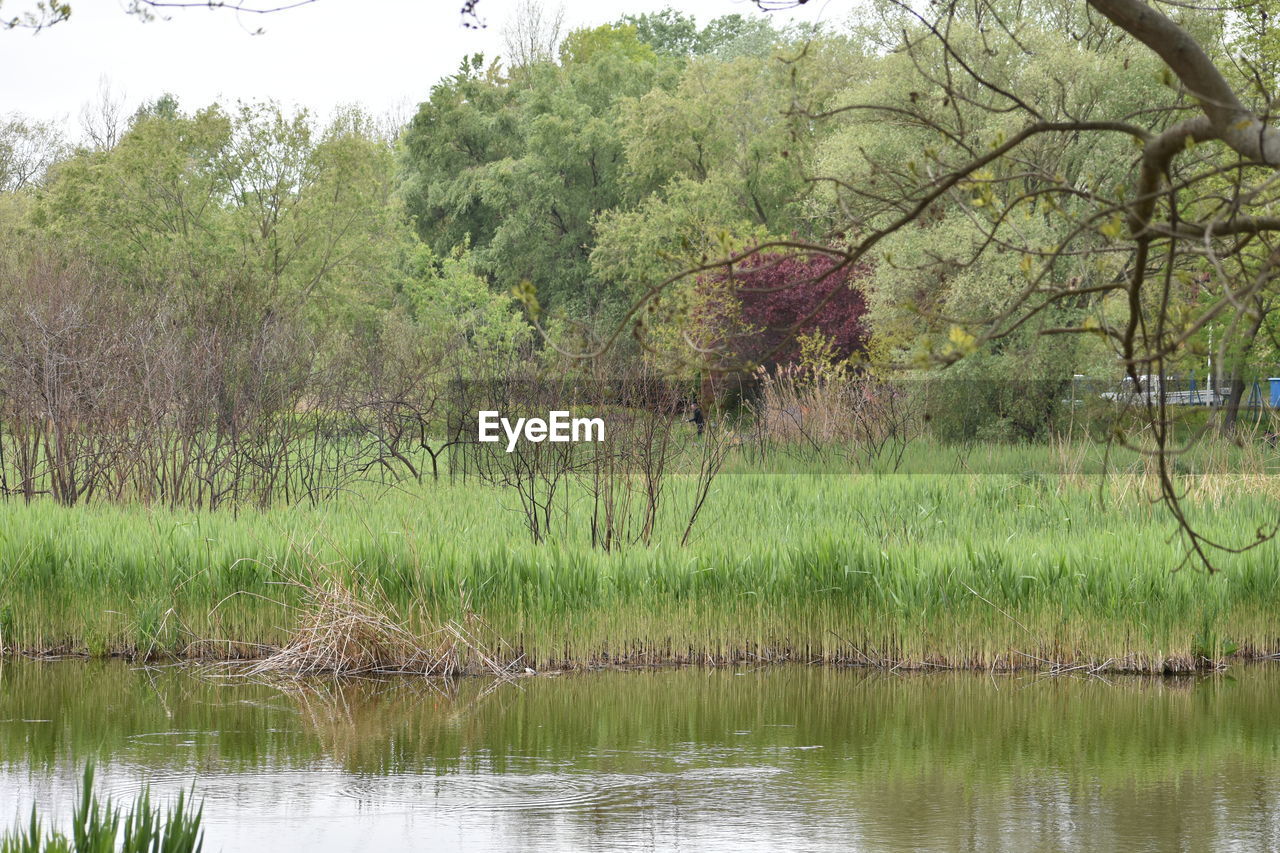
[(593, 186)]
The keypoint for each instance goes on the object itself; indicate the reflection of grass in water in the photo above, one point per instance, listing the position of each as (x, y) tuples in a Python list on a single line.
[(957, 726), (983, 570), (900, 752), (99, 826), (363, 724)]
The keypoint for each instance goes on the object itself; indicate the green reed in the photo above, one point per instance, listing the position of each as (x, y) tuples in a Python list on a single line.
[(100, 826), (1044, 561)]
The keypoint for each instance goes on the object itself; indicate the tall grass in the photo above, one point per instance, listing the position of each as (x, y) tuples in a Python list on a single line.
[(1044, 565), (99, 826)]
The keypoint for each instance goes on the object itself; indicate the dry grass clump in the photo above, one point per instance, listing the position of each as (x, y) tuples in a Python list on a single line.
[(1212, 474), (821, 406), (795, 407), (341, 633)]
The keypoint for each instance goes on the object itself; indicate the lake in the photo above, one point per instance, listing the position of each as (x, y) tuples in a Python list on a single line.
[(777, 758)]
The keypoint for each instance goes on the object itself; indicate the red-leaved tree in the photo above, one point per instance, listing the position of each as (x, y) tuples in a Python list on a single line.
[(757, 312)]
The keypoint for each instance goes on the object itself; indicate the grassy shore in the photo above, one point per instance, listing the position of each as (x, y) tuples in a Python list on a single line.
[(1039, 566)]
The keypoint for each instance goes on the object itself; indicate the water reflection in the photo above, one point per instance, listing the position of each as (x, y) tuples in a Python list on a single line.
[(813, 759)]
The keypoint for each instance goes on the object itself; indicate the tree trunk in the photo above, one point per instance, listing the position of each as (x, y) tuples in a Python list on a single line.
[(1231, 416)]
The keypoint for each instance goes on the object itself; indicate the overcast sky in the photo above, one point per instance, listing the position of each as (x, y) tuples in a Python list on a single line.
[(385, 54)]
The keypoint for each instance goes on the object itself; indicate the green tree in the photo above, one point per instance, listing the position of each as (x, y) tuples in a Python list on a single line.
[(724, 122), (450, 301), (251, 215), (677, 34), (520, 165), (28, 148)]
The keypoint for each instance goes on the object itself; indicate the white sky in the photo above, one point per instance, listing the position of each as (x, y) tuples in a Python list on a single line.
[(384, 54)]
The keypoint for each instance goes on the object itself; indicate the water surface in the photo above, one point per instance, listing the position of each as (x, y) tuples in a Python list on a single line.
[(789, 758)]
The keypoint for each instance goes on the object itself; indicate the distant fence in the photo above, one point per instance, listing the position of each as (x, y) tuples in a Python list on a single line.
[(1176, 389)]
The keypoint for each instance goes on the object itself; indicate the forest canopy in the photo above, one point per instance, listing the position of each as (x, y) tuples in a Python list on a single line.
[(573, 184)]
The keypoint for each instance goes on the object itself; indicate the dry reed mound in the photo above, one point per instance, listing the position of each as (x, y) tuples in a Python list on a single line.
[(341, 633)]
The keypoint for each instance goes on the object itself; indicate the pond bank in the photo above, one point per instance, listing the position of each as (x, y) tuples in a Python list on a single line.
[(985, 571)]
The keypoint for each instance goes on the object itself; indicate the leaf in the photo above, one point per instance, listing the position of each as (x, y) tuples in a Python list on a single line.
[(527, 295), (962, 342), (1112, 228)]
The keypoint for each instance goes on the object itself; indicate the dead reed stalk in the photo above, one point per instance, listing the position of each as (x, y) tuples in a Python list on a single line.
[(341, 633)]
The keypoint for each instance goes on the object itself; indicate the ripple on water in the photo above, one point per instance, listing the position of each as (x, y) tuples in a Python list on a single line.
[(499, 793), (543, 792), (178, 738), (261, 789), (122, 783)]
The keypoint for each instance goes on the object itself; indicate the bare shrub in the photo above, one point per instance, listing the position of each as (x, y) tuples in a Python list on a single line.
[(535, 471), (111, 395), (626, 476)]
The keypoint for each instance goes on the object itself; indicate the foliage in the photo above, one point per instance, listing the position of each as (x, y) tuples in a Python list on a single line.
[(763, 310), (449, 300), (241, 220), (518, 166), (537, 167), (27, 149), (690, 223), (677, 34)]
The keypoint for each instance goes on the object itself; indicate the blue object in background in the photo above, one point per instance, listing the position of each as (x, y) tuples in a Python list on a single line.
[(1275, 391)]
